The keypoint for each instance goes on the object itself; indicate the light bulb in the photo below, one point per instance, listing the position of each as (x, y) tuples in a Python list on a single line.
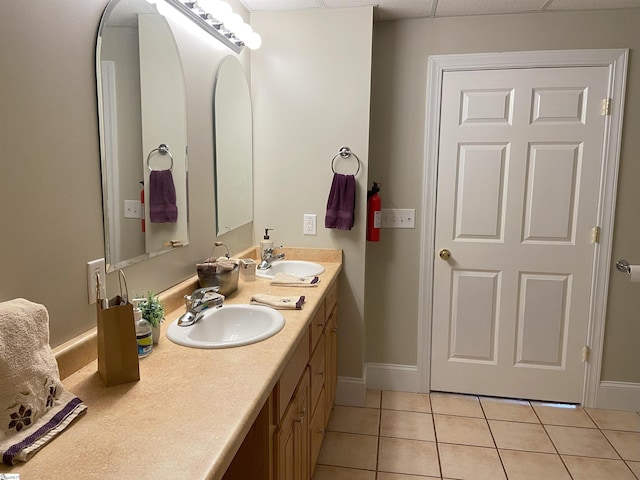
[(233, 22), (253, 41), (207, 5), (243, 31), (221, 11)]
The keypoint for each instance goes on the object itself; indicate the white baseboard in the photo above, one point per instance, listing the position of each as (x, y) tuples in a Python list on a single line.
[(388, 376), (351, 392), (619, 396)]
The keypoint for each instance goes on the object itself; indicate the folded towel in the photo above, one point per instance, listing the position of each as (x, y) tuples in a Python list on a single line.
[(162, 197), (287, 280), (34, 407), (276, 301), (341, 202), (217, 265)]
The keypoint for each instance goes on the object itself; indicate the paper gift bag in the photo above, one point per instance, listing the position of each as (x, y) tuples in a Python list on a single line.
[(117, 346)]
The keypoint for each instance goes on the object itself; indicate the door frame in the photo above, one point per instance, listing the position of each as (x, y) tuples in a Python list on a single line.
[(616, 60)]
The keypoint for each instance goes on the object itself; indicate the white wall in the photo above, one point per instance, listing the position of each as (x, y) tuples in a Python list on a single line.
[(311, 91)]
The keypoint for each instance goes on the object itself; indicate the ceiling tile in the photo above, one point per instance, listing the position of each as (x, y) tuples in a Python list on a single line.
[(448, 8), (592, 4), (258, 5), (398, 9), (390, 9)]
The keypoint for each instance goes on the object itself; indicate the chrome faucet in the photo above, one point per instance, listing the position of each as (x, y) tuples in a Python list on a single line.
[(268, 258), (199, 301)]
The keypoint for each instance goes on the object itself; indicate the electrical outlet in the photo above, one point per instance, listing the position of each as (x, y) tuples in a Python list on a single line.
[(309, 224), (398, 218), (96, 267)]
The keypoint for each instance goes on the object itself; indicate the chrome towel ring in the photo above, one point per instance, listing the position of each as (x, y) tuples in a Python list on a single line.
[(345, 152), (162, 150)]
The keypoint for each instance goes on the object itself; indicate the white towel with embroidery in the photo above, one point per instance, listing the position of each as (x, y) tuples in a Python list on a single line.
[(34, 406)]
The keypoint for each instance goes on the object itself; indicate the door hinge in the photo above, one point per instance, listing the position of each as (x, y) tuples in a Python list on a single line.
[(586, 353), (606, 106), (595, 235)]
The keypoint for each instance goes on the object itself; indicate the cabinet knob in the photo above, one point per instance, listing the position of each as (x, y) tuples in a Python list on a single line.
[(301, 415), (320, 374)]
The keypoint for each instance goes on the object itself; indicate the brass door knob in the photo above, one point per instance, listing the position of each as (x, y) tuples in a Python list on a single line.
[(445, 254)]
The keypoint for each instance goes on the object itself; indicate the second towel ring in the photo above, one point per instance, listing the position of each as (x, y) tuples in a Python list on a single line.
[(345, 152), (163, 150)]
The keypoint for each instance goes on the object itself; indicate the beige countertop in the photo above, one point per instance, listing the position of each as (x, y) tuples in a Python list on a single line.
[(191, 409)]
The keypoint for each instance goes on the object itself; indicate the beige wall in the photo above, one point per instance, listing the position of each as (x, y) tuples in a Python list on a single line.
[(311, 94), (401, 50), (50, 192), (314, 99)]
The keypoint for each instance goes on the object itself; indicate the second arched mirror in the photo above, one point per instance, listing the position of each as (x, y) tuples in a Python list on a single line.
[(233, 147)]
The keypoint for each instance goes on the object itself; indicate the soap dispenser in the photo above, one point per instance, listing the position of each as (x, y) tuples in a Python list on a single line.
[(266, 242), (144, 332)]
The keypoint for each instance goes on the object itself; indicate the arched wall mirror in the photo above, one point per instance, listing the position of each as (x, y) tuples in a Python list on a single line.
[(143, 133), (233, 147)]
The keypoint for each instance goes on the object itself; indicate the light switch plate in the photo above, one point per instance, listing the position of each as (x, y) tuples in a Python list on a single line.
[(398, 218)]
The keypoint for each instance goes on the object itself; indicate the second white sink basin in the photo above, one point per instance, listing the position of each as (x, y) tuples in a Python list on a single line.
[(300, 268), (228, 326)]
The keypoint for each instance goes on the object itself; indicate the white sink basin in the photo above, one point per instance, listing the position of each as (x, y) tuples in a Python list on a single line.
[(300, 268), (228, 326)]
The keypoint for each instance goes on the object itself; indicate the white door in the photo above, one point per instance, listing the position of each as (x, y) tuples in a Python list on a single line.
[(519, 174)]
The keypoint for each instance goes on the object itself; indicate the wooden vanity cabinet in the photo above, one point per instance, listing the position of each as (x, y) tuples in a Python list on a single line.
[(291, 439), (284, 441), (317, 387), (331, 340)]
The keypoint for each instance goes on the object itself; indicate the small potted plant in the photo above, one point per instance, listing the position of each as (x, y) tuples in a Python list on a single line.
[(153, 312)]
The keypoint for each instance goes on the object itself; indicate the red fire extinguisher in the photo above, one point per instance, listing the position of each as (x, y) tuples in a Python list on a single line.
[(374, 213), (142, 205)]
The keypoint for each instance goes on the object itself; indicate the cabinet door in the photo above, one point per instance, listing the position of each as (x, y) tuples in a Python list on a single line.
[(292, 436), (318, 370), (317, 429), (331, 345)]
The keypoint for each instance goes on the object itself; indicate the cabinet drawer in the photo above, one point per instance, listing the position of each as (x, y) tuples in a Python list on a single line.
[(317, 325), (332, 297), (318, 366), (291, 376), (317, 430)]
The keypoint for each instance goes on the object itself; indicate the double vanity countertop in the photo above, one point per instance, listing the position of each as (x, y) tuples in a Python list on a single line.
[(188, 414)]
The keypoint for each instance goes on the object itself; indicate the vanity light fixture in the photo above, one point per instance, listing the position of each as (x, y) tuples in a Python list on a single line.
[(217, 18)]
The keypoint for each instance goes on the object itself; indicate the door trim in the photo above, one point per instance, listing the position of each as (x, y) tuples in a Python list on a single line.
[(616, 60)]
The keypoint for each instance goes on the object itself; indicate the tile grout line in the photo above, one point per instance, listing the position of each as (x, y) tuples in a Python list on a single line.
[(544, 427), (495, 444), (435, 435), (609, 442)]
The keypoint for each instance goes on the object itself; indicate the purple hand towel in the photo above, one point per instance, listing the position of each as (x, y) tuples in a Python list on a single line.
[(341, 202), (162, 197)]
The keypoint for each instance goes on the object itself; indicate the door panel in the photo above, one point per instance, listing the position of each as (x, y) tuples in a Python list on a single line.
[(474, 322), (542, 320), (480, 205), (519, 171), (551, 196)]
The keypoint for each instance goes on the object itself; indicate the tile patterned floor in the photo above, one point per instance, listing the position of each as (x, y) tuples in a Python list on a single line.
[(409, 436)]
